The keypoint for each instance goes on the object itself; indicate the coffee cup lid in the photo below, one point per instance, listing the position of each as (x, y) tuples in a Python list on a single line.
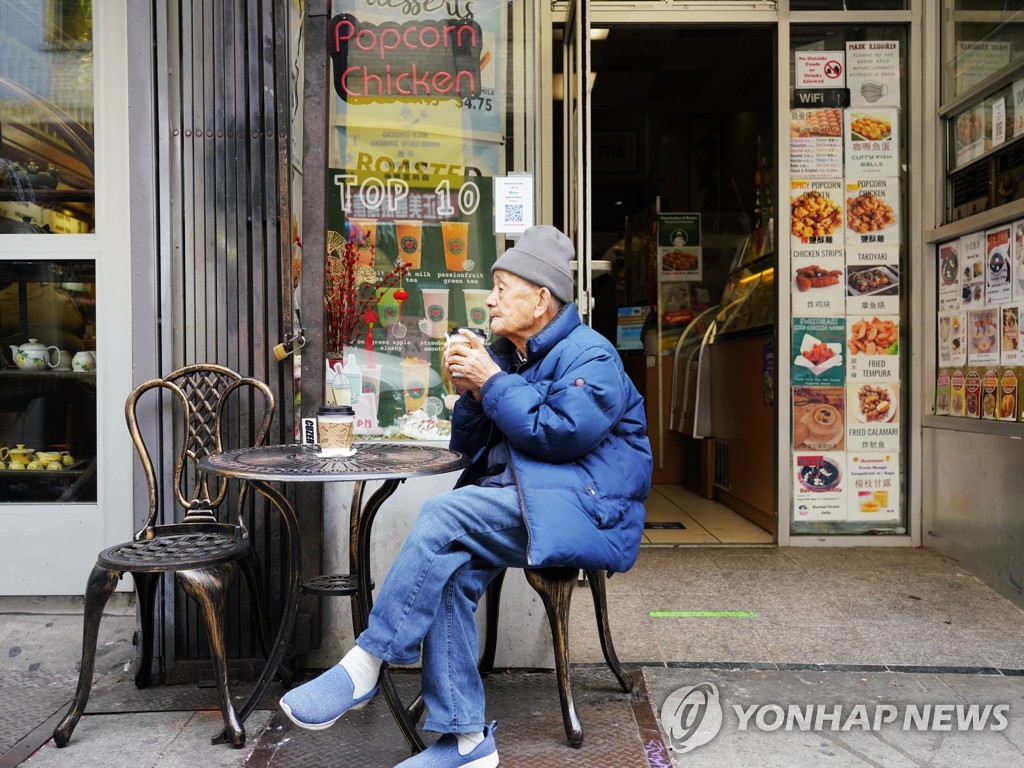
[(478, 331), (336, 410)]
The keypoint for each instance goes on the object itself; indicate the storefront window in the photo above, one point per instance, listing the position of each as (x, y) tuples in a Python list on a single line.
[(430, 151), (48, 381), (47, 184), (980, 38), (848, 5), (983, 75), (848, 240)]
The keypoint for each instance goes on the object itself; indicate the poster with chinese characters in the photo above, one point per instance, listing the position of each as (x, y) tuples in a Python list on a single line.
[(874, 487), (819, 487), (972, 270), (983, 336), (873, 211), (818, 282), (819, 418), (816, 143), (949, 275), (818, 342), (872, 142), (873, 342), (953, 338), (872, 280), (998, 288), (1017, 256), (872, 416), (816, 213), (1010, 317)]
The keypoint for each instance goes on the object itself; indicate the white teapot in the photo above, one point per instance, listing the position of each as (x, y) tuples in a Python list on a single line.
[(32, 356)]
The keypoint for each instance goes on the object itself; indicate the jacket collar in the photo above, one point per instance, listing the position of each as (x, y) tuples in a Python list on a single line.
[(538, 345)]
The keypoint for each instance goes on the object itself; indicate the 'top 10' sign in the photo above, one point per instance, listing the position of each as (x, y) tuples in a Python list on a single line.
[(415, 60)]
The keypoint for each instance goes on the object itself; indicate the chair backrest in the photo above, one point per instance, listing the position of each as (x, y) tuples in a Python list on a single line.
[(206, 399)]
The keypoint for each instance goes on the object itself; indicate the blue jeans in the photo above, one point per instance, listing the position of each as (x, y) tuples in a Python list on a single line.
[(461, 540)]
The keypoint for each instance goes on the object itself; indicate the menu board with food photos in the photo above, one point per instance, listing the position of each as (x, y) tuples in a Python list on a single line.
[(819, 490), (1017, 257), (816, 143), (949, 275), (998, 288), (846, 246), (978, 327)]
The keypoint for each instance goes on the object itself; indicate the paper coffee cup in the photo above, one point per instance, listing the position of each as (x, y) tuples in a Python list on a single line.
[(335, 424), (455, 337)]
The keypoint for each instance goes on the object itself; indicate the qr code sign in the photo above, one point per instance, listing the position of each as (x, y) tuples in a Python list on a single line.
[(514, 214)]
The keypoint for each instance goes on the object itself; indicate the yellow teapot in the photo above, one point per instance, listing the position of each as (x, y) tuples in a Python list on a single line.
[(19, 453)]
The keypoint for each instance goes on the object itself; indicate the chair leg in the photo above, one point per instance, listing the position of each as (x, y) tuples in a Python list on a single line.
[(145, 588), (98, 590), (555, 585), (251, 572), (486, 665), (209, 588), (254, 583), (597, 588)]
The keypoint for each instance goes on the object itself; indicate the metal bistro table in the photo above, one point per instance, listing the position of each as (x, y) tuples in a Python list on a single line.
[(392, 462)]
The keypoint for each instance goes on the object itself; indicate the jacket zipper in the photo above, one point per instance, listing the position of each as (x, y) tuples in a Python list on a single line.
[(522, 501)]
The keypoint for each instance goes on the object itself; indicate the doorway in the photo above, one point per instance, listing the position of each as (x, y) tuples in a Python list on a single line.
[(682, 119)]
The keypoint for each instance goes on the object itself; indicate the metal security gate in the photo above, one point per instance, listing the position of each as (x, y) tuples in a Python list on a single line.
[(212, 250)]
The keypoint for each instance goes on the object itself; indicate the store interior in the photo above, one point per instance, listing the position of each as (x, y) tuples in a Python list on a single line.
[(682, 120)]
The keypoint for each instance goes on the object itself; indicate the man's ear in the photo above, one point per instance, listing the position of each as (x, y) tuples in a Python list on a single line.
[(543, 302)]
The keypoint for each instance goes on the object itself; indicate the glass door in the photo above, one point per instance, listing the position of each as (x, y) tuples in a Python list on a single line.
[(576, 116)]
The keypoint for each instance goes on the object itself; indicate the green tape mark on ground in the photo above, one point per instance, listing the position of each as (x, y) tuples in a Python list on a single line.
[(703, 614)]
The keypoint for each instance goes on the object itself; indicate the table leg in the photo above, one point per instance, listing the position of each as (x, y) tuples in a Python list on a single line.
[(360, 528), (291, 597)]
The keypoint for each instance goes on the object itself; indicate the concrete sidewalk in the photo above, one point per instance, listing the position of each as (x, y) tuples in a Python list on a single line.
[(860, 628)]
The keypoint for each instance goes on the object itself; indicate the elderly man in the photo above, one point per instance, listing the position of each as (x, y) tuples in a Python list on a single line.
[(561, 467)]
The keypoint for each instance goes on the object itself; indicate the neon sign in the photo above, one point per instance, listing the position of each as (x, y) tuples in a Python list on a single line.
[(417, 60)]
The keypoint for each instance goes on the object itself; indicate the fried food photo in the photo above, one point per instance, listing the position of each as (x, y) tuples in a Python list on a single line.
[(814, 214), (679, 261), (872, 128), (875, 403), (868, 213), (872, 337), (1006, 406), (816, 277), (868, 280)]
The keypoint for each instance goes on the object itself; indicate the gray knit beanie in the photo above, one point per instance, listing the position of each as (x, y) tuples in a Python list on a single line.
[(542, 255)]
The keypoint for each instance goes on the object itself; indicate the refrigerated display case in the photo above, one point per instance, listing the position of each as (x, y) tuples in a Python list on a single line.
[(735, 394)]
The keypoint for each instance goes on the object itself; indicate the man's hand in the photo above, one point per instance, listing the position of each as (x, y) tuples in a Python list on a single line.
[(469, 365)]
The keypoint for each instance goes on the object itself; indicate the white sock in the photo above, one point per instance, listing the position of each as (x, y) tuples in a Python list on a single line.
[(468, 741), (363, 668)]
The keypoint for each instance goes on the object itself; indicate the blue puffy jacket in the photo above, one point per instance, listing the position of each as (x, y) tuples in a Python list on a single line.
[(576, 435)]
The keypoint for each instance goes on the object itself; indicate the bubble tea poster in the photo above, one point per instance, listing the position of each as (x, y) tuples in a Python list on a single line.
[(410, 180)]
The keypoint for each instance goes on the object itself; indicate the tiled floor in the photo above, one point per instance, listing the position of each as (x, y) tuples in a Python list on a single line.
[(705, 521)]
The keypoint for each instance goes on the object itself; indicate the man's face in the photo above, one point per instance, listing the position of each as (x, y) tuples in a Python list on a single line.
[(513, 303)]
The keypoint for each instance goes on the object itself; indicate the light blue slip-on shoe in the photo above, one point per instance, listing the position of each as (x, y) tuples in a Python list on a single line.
[(319, 703), (444, 753)]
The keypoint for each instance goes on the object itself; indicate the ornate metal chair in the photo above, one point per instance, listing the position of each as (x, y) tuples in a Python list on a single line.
[(555, 585), (204, 552)]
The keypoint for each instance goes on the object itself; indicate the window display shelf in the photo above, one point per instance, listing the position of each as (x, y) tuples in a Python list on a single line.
[(49, 374), (44, 196)]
